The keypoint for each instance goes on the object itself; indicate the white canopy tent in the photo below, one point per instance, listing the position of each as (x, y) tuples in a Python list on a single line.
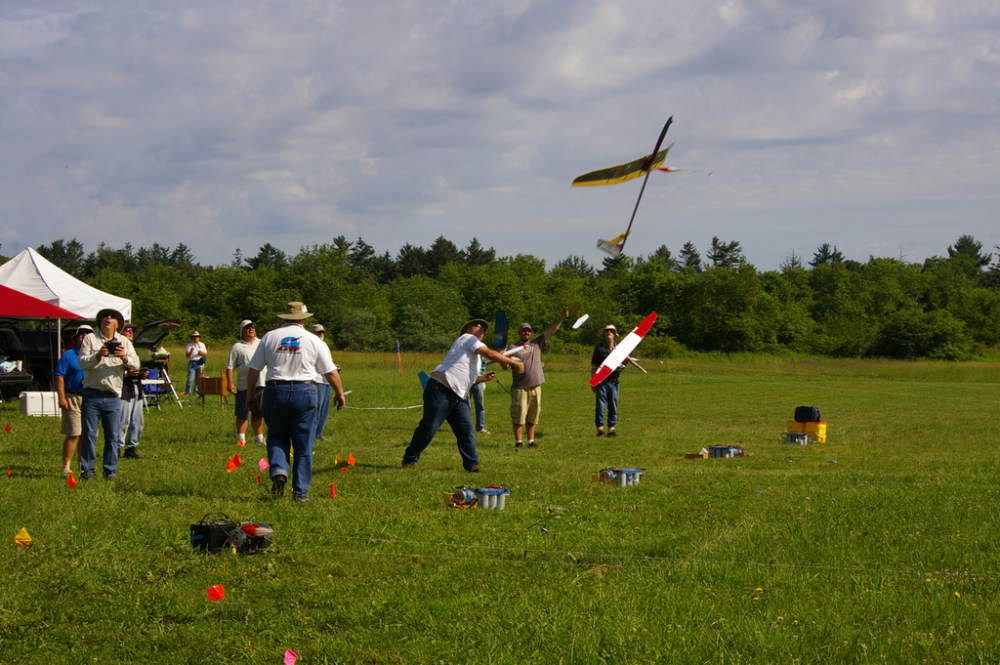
[(31, 273)]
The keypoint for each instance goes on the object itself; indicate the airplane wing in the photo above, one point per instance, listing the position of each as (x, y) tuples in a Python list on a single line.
[(622, 350), (622, 173)]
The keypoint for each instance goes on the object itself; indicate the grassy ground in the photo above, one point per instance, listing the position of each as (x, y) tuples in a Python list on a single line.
[(880, 545)]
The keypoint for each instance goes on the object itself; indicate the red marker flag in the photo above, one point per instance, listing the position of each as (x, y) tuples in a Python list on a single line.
[(71, 481), (237, 459), (239, 443), (333, 491), (216, 592), (344, 469), (350, 458), (7, 429), (258, 479)]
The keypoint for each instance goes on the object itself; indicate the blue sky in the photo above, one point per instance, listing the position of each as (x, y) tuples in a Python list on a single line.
[(870, 126)]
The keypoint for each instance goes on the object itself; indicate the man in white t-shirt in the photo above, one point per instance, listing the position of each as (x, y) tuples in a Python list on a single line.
[(446, 396), (196, 353), (239, 360), (293, 357)]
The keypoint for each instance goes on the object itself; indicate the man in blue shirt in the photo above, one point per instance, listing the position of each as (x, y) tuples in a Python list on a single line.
[(69, 385)]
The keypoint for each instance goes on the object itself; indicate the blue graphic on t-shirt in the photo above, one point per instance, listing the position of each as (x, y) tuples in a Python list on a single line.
[(289, 345)]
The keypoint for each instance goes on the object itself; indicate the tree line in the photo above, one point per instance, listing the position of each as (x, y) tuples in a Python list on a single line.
[(947, 307)]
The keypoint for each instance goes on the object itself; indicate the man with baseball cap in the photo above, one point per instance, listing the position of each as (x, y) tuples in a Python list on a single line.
[(323, 411), (240, 355), (196, 353), (606, 390), (526, 388), (133, 399), (446, 396), (293, 357), (104, 356), (69, 386)]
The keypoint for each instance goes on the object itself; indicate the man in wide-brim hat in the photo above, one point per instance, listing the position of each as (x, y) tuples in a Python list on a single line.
[(607, 390), (446, 396), (293, 357), (196, 352), (104, 356)]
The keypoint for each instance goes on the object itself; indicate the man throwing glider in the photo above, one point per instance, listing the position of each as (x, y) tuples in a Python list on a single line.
[(526, 388), (606, 390), (446, 396)]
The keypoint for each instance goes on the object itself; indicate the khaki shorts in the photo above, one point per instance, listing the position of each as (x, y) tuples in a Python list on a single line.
[(71, 423), (525, 405)]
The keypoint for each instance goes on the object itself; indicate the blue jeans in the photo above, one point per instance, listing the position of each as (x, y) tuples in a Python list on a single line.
[(477, 392), (290, 414), (99, 409), (607, 396), (442, 404), (194, 371), (324, 391), (130, 424)]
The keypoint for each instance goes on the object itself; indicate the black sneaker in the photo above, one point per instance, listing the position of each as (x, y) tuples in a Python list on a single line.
[(131, 453), (278, 486), (612, 432), (86, 475), (532, 444)]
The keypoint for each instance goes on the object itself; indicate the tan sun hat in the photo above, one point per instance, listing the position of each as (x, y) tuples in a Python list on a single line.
[(318, 328), (296, 311), (611, 328), (475, 322), (113, 312)]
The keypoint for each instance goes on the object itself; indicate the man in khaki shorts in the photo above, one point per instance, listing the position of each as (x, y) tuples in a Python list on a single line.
[(69, 386), (526, 388)]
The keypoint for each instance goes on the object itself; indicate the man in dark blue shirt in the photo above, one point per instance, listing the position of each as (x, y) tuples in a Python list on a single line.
[(69, 385), (607, 390)]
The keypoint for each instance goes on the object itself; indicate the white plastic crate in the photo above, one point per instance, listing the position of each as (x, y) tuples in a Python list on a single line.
[(40, 404)]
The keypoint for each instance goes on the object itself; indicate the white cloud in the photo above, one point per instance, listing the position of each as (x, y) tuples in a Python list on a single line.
[(233, 124)]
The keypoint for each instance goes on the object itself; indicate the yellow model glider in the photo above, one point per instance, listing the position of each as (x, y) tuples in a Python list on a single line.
[(614, 175)]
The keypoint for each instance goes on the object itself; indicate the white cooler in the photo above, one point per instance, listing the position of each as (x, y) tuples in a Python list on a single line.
[(40, 404)]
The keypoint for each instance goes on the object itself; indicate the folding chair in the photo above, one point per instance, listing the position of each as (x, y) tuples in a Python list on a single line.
[(158, 387)]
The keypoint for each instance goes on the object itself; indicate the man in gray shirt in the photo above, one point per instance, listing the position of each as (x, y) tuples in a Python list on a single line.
[(526, 388)]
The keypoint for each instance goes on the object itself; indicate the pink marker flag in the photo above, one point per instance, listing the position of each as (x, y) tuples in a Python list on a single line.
[(216, 592), (263, 464), (290, 657)]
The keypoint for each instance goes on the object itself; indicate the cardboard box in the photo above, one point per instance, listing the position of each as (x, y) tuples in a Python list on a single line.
[(40, 404)]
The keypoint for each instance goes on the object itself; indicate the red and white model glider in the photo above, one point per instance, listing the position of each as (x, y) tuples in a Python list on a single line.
[(620, 353)]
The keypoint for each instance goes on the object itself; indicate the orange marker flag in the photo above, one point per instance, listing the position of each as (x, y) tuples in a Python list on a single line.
[(71, 481), (350, 458), (216, 592), (8, 470), (239, 443), (22, 538), (333, 491), (231, 465)]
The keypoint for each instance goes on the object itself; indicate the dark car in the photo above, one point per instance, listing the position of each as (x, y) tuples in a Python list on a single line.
[(12, 349)]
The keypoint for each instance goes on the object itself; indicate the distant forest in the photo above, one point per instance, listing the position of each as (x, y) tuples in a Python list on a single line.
[(946, 308)]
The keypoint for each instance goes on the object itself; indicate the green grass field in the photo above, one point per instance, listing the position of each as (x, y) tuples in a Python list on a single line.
[(880, 545)]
